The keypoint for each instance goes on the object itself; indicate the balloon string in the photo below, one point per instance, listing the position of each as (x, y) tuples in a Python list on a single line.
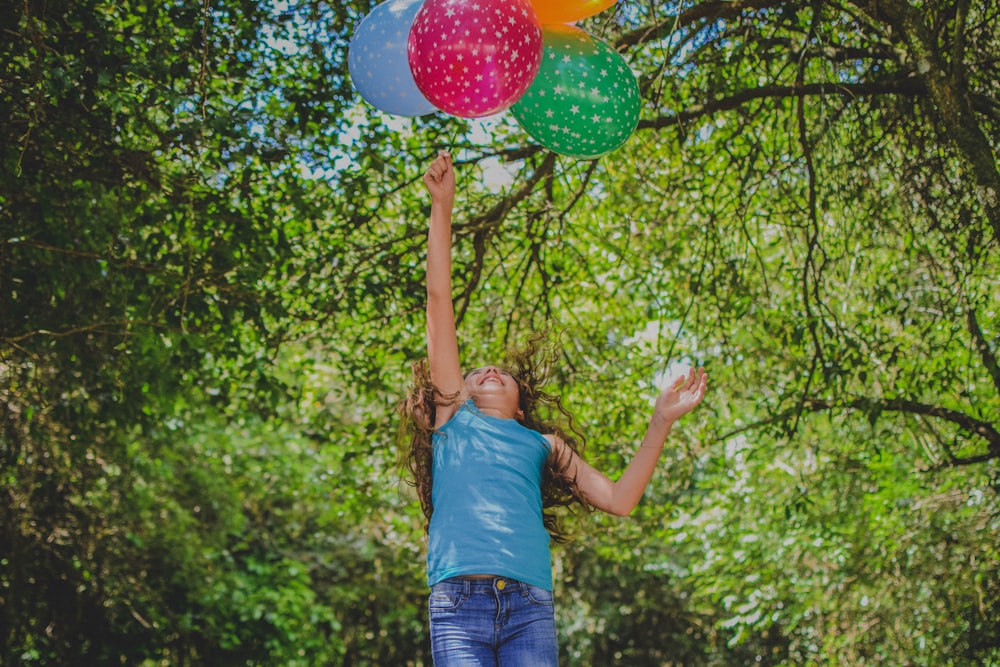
[(451, 147)]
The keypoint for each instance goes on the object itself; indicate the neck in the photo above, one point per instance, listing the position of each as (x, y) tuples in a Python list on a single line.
[(494, 412), (501, 412)]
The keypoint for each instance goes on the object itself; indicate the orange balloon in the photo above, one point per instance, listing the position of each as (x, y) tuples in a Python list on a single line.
[(567, 11)]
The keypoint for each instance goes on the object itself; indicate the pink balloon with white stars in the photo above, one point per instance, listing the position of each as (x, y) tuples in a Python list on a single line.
[(474, 58)]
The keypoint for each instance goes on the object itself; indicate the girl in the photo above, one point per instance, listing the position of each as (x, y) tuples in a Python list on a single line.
[(488, 473)]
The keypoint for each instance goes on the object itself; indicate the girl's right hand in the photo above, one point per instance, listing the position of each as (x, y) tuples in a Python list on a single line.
[(440, 178)]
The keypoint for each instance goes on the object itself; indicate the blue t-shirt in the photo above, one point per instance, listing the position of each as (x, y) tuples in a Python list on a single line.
[(487, 495)]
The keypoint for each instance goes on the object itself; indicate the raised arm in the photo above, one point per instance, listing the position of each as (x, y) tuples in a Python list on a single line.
[(442, 342), (621, 497)]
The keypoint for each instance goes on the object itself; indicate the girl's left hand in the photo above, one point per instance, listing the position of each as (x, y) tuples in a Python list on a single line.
[(682, 396), (439, 179)]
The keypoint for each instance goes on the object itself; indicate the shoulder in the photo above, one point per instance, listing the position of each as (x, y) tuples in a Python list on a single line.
[(447, 406), (445, 413), (563, 451), (557, 444)]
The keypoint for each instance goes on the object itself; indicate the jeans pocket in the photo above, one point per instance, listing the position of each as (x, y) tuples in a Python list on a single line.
[(445, 597), (539, 596)]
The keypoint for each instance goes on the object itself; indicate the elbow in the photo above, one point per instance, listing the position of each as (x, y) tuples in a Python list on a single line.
[(614, 502), (438, 292), (438, 301), (620, 509)]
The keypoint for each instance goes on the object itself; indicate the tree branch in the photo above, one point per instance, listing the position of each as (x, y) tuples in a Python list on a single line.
[(983, 347), (713, 10), (900, 86), (966, 423), (949, 91), (810, 268), (487, 223)]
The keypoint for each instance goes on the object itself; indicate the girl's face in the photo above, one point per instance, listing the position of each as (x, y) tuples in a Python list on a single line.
[(491, 387)]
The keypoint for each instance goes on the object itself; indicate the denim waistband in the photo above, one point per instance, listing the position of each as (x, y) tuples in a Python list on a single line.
[(484, 584)]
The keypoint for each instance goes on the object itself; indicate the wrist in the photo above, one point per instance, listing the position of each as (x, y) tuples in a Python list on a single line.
[(657, 432), (662, 422)]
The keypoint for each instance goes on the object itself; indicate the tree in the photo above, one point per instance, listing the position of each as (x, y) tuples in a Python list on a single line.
[(211, 284)]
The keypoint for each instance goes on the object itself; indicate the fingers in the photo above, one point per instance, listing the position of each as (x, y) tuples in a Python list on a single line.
[(699, 380), (696, 380), (439, 167), (701, 385), (687, 380)]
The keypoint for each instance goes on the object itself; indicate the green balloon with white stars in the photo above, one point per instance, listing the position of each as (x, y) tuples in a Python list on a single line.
[(584, 101)]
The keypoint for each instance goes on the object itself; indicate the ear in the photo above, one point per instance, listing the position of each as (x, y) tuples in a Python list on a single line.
[(520, 415)]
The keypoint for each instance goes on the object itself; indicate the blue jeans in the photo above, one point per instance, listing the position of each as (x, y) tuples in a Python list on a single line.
[(494, 622)]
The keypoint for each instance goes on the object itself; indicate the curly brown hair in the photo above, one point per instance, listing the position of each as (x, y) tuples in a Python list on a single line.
[(530, 366)]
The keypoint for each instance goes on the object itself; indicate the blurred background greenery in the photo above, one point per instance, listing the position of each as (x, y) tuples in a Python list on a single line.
[(211, 263)]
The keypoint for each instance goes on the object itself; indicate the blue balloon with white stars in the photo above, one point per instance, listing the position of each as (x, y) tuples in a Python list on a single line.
[(378, 62)]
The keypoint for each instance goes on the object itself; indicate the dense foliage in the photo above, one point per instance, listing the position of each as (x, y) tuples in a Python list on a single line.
[(211, 258)]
